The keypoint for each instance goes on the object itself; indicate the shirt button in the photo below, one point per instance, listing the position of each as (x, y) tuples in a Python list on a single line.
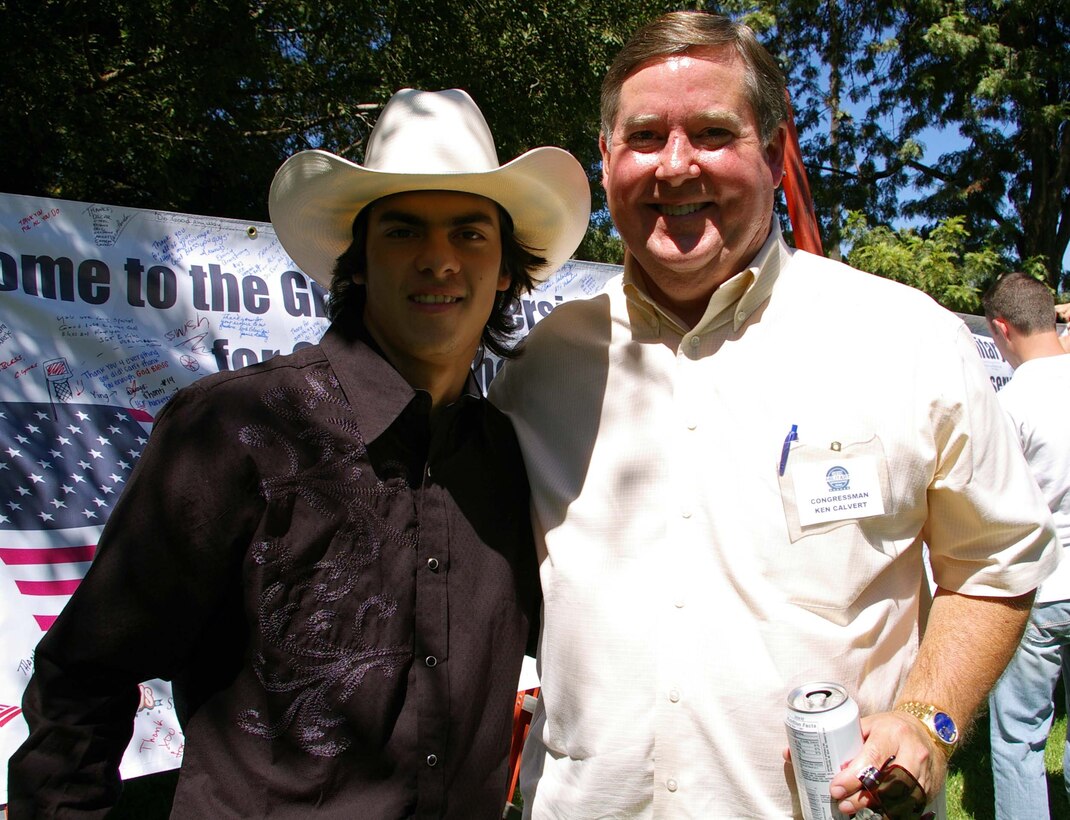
[(741, 316), (671, 785), (432, 564), (685, 513), (679, 602), (691, 425), (432, 760), (431, 661), (695, 341), (674, 695)]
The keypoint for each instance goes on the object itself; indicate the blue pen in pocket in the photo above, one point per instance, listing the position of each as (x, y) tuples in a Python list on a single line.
[(793, 435)]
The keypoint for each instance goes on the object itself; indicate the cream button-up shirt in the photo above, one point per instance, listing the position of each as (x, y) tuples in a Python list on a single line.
[(689, 585)]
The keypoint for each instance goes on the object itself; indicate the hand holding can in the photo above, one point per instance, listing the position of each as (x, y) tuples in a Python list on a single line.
[(824, 734)]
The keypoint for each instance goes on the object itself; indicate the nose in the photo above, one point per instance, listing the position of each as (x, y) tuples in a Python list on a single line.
[(437, 255), (676, 163)]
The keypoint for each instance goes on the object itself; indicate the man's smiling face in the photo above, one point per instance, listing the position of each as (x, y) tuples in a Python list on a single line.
[(434, 267), (688, 179)]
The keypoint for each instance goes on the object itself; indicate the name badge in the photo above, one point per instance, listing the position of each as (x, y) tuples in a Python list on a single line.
[(837, 489)]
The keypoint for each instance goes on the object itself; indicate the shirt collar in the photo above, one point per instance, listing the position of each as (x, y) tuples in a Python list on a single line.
[(376, 391), (735, 300)]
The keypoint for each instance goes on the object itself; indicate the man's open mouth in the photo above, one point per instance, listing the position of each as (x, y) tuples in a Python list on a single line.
[(434, 299), (680, 210)]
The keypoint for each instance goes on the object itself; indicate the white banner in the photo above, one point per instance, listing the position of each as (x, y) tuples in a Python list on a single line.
[(999, 369)]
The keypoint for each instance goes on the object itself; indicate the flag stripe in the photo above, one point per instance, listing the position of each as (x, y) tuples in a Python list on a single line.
[(9, 713), (139, 415), (47, 555), (48, 587), (45, 621)]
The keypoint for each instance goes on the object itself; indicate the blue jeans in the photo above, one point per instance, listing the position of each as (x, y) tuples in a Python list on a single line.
[(1020, 712)]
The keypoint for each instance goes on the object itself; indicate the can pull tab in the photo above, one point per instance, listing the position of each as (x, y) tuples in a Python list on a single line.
[(817, 699)]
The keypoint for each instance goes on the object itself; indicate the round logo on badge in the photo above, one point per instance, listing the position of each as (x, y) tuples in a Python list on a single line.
[(838, 478)]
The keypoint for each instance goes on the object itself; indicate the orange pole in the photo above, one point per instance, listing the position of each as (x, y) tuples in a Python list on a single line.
[(797, 193), (521, 723)]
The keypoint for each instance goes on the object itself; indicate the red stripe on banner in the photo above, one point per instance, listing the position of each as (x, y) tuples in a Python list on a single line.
[(139, 415), (45, 621), (48, 587), (47, 555), (8, 713)]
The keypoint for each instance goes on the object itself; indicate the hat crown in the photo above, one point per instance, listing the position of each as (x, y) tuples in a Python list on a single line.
[(431, 132), (427, 141)]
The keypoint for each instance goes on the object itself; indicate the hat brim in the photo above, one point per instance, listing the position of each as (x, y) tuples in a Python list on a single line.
[(316, 195)]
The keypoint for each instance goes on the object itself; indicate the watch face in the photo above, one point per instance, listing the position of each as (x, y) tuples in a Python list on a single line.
[(945, 727)]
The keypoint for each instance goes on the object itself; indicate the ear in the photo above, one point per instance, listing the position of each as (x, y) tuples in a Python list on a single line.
[(776, 154), (603, 148), (1005, 338), (360, 278), (504, 280), (1001, 325)]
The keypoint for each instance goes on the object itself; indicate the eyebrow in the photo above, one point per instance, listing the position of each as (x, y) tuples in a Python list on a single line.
[(406, 218), (712, 115)]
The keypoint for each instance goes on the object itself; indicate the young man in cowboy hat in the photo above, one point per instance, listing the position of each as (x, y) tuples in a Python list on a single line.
[(348, 609)]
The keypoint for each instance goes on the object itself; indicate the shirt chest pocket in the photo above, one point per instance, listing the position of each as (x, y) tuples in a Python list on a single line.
[(837, 502)]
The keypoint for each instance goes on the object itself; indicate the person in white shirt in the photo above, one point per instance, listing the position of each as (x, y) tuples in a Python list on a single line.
[(1063, 312), (1020, 313), (733, 476)]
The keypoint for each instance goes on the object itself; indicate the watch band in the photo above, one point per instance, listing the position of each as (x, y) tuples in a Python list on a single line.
[(937, 722)]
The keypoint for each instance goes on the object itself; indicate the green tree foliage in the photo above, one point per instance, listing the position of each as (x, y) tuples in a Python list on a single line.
[(602, 243), (143, 103), (941, 263), (191, 106), (869, 79), (999, 72), (830, 52)]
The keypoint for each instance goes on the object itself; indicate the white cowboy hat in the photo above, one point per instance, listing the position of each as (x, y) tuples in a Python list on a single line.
[(433, 141)]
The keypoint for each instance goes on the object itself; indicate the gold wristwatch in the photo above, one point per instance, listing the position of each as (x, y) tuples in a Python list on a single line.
[(939, 723)]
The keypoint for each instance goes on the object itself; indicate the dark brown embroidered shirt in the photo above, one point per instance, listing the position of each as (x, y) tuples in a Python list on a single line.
[(341, 591)]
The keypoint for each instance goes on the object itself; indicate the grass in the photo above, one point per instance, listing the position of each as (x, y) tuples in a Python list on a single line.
[(970, 795)]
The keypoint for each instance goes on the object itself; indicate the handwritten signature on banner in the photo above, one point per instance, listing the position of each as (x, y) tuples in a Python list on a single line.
[(163, 738), (106, 226), (38, 217), (247, 326)]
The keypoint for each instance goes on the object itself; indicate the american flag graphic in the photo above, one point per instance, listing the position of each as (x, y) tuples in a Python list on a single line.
[(62, 467), (8, 712)]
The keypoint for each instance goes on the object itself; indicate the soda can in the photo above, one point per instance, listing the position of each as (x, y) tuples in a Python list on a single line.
[(824, 734)]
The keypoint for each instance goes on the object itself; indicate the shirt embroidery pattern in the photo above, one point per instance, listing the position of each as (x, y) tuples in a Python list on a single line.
[(321, 672)]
